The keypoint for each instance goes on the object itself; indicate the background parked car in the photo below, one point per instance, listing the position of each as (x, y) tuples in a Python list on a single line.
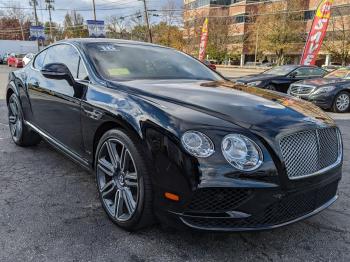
[(210, 64), (1, 60), (330, 92), (15, 60), (279, 78), (4, 58), (332, 66), (28, 57)]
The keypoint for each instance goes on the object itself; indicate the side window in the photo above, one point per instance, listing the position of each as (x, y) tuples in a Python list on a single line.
[(82, 73), (64, 54), (303, 72), (318, 72), (39, 60)]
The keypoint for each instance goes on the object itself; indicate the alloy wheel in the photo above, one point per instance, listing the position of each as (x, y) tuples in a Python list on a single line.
[(15, 119), (117, 180), (342, 102)]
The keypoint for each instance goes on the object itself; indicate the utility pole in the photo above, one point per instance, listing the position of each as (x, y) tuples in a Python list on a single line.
[(49, 6), (147, 22), (94, 7), (34, 3)]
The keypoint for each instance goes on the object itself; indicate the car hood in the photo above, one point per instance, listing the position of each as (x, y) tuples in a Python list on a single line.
[(318, 82), (256, 77), (249, 107)]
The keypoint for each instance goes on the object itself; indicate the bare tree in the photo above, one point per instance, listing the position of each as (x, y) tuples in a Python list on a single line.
[(337, 41), (116, 26), (15, 12)]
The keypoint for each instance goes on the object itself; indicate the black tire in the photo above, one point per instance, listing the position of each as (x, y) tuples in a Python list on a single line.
[(142, 215), (341, 103), (271, 87), (20, 133)]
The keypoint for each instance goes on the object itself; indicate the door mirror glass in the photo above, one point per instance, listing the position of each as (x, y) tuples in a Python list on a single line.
[(57, 71), (292, 75)]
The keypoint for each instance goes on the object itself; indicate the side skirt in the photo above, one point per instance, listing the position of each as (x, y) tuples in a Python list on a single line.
[(60, 147)]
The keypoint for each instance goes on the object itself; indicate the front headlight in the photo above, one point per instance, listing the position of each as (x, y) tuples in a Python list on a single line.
[(197, 144), (256, 83), (323, 90), (241, 152)]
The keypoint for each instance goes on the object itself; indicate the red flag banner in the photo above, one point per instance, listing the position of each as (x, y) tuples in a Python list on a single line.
[(317, 33), (204, 40)]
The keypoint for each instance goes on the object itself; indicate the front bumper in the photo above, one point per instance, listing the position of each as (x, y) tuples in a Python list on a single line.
[(247, 209), (324, 101)]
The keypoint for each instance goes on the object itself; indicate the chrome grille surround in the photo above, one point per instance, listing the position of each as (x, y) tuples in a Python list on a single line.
[(311, 152), (299, 89)]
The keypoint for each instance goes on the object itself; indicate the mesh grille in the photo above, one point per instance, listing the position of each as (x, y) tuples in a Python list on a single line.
[(287, 209), (217, 199), (301, 89), (308, 152)]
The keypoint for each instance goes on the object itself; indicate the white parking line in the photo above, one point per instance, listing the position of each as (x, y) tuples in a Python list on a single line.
[(4, 124)]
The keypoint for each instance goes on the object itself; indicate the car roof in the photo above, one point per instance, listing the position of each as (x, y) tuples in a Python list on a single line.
[(296, 66), (109, 40)]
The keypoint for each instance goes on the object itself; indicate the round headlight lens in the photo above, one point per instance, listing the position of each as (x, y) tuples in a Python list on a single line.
[(197, 144), (241, 152)]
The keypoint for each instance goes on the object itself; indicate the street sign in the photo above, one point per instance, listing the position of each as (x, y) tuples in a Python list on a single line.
[(96, 28), (37, 33)]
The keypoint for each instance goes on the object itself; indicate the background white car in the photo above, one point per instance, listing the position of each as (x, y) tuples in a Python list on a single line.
[(28, 57)]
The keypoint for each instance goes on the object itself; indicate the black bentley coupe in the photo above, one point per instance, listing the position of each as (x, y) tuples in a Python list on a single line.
[(279, 78), (170, 140)]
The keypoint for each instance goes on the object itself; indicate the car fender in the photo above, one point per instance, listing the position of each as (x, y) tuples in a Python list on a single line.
[(11, 88)]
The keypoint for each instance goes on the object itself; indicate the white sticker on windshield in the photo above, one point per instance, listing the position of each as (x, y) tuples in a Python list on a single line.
[(108, 48)]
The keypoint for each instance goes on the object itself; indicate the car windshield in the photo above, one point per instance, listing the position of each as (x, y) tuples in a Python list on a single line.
[(340, 73), (124, 62), (20, 56), (280, 70)]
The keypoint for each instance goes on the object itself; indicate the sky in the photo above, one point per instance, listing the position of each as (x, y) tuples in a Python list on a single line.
[(120, 7)]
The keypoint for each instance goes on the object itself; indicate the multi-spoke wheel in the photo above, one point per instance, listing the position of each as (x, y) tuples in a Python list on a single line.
[(20, 134), (122, 180), (15, 118), (341, 102)]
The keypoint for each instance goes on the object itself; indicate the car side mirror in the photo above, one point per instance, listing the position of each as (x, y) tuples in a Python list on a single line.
[(292, 75), (58, 71)]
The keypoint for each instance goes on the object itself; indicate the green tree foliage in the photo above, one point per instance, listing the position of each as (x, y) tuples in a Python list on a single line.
[(281, 28)]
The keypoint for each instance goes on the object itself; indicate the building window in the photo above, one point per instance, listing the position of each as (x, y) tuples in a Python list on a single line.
[(308, 15)]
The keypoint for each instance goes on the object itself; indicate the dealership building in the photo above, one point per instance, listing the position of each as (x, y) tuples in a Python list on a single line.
[(241, 38)]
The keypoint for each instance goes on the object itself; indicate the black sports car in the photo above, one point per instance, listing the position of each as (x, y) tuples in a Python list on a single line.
[(279, 78), (330, 92), (170, 140)]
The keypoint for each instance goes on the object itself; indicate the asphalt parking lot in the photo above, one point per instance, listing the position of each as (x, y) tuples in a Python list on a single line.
[(49, 211)]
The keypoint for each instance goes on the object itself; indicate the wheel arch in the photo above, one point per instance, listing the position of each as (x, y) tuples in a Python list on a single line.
[(109, 125), (11, 89), (343, 90), (346, 90)]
